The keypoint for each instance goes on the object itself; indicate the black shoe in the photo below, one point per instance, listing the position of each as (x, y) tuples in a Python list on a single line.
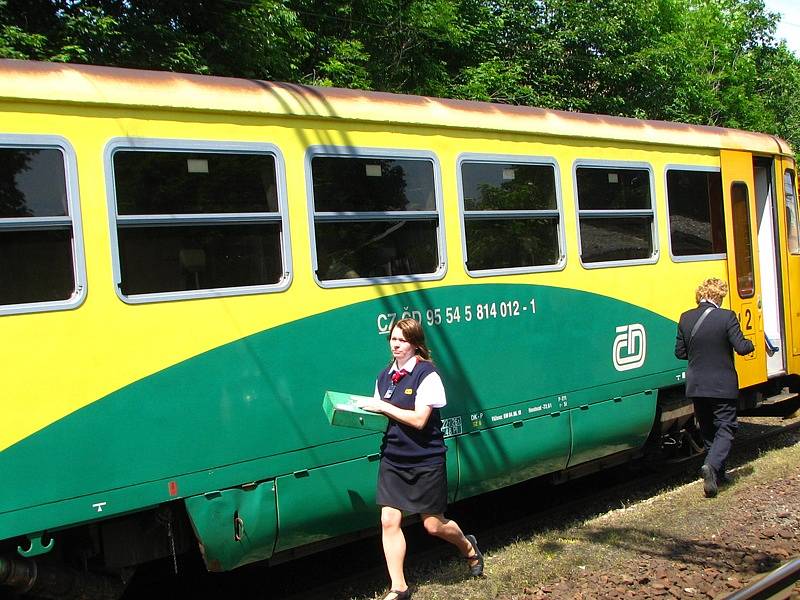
[(398, 595), (476, 570), (723, 479), (709, 481)]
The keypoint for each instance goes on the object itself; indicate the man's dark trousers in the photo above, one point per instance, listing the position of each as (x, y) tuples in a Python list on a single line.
[(717, 420)]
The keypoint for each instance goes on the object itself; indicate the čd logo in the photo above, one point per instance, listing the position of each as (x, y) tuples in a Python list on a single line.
[(630, 347)]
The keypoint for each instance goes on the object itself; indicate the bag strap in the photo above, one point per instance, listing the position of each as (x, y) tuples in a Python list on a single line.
[(699, 322)]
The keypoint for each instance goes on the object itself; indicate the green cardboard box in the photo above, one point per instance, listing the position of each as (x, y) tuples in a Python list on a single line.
[(342, 411)]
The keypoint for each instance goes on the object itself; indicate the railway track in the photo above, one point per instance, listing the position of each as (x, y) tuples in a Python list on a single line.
[(497, 518)]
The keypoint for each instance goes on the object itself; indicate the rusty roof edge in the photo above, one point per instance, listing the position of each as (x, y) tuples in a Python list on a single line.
[(113, 86), (784, 148)]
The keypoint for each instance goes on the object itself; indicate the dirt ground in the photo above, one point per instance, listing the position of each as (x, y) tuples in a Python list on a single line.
[(727, 551), (682, 545)]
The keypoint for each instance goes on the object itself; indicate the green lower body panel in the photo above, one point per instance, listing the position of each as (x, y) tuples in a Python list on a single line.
[(321, 503), (235, 527), (611, 426), (501, 456), (316, 504)]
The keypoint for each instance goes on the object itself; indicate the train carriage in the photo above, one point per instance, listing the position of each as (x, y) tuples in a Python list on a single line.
[(188, 264)]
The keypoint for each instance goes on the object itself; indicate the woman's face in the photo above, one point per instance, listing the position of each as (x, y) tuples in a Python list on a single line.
[(401, 349)]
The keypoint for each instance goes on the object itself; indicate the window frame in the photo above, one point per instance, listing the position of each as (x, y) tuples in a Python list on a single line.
[(639, 212), (738, 242), (315, 151), (71, 220), (197, 147), (790, 170), (558, 213), (692, 257)]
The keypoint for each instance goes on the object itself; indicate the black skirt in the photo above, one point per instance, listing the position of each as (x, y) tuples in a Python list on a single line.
[(415, 490)]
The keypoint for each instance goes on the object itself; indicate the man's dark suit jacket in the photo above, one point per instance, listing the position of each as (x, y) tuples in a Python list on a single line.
[(711, 373)]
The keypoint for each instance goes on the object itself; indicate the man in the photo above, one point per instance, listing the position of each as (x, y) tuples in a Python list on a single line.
[(706, 337)]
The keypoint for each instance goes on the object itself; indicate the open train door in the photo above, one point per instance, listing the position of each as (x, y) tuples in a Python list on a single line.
[(743, 269), (788, 198)]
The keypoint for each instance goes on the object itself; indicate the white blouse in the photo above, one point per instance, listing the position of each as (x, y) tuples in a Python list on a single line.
[(429, 393)]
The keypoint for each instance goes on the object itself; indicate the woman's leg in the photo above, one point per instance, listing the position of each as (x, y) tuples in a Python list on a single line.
[(448, 530), (394, 546)]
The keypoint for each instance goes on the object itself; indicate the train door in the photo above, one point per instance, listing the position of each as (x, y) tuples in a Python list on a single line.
[(743, 268), (769, 266), (788, 184)]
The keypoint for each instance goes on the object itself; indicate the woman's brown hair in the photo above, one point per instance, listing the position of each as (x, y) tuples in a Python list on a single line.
[(414, 335)]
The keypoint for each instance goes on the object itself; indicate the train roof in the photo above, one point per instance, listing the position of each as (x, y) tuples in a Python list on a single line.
[(62, 83)]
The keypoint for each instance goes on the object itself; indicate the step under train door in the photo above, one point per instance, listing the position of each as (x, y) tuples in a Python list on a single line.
[(770, 266), (743, 268), (787, 197)]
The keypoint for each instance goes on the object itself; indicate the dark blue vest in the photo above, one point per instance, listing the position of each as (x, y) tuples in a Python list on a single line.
[(404, 445)]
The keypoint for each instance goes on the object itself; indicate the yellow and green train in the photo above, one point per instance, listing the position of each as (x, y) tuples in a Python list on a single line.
[(188, 263)]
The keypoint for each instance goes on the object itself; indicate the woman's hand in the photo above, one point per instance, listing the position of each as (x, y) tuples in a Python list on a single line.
[(416, 418), (372, 405)]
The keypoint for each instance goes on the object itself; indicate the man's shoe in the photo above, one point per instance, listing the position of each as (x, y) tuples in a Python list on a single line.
[(709, 480)]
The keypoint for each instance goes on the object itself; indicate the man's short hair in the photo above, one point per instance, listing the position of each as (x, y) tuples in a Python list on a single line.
[(711, 289)]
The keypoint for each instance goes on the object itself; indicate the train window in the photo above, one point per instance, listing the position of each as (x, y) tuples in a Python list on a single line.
[(511, 215), (696, 219), (376, 217), (615, 213), (162, 183), (745, 279), (41, 259), (197, 222), (790, 196)]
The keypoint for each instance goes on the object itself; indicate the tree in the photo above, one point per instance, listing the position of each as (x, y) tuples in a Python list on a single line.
[(711, 62), (246, 38)]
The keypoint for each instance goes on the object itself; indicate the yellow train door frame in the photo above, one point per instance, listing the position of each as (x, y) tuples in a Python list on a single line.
[(743, 267), (790, 248)]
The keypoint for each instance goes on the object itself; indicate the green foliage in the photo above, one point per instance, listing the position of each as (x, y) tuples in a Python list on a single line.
[(712, 62), (245, 38), (347, 66)]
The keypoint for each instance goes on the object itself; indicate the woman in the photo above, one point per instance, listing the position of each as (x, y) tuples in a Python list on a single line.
[(413, 476), (707, 337)]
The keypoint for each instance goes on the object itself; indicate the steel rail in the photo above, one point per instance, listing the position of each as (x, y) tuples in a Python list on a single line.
[(776, 585)]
